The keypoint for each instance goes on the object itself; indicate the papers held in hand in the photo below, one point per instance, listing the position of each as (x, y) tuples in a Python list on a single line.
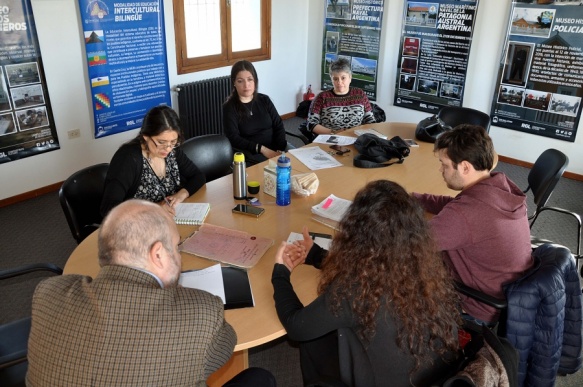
[(230, 284)]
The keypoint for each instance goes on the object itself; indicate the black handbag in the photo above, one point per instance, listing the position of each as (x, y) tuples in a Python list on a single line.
[(428, 129), (374, 152)]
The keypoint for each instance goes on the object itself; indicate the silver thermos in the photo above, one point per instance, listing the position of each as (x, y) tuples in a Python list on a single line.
[(239, 176)]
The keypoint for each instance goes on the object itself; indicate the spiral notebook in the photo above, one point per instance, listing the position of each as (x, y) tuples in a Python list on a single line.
[(191, 213)]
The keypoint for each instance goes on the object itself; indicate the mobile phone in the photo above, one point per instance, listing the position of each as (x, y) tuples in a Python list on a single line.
[(248, 210), (411, 142), (340, 150)]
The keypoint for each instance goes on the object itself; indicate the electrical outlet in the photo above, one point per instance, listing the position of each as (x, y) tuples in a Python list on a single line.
[(74, 133)]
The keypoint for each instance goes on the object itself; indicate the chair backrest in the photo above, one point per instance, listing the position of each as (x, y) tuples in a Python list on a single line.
[(14, 335), (80, 197), (545, 174), (212, 154), (454, 116), (349, 349)]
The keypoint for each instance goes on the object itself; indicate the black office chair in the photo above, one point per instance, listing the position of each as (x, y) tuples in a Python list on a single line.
[(14, 335), (301, 136), (309, 136), (356, 370), (454, 116), (542, 180), (212, 154), (519, 320), (80, 197)]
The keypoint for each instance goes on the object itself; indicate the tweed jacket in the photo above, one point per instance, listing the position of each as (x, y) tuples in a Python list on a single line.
[(123, 329)]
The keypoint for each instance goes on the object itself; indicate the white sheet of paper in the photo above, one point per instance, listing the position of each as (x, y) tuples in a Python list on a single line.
[(322, 242), (332, 139), (315, 158), (209, 280)]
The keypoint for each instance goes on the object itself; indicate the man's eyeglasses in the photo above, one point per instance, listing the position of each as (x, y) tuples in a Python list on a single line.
[(164, 144)]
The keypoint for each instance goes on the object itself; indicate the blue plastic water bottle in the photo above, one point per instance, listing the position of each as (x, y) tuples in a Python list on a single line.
[(283, 187)]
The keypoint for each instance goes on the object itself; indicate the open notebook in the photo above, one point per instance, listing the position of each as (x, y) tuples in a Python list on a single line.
[(191, 213)]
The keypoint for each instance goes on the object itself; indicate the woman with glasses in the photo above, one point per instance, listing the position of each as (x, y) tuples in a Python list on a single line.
[(152, 166), (251, 121)]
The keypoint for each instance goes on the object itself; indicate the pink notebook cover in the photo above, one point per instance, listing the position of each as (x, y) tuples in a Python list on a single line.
[(232, 247)]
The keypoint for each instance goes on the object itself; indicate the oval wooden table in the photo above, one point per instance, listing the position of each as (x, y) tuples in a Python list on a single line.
[(258, 325)]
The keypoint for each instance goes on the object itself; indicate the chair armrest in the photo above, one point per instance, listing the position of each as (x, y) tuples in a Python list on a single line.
[(300, 136), (577, 218), (563, 211), (479, 296), (21, 270)]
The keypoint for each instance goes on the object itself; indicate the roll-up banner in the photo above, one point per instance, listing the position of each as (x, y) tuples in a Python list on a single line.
[(27, 126), (352, 29), (125, 47), (433, 56), (540, 78)]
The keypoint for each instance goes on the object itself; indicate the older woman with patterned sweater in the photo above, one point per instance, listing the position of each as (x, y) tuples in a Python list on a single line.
[(342, 107)]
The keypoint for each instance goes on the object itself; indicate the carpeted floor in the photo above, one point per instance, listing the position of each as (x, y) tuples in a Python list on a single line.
[(36, 231)]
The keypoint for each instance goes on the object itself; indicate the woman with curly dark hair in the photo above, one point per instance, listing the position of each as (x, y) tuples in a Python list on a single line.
[(384, 280)]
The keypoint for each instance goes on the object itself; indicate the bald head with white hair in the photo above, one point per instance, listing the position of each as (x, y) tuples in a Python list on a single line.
[(139, 234)]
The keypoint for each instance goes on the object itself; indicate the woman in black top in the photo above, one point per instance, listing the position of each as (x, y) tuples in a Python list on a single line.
[(152, 166), (383, 280), (251, 121)]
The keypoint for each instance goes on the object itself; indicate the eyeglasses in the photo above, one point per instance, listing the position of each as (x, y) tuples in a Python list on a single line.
[(164, 144)]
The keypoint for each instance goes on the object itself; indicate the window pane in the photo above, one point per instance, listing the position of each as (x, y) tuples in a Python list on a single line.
[(245, 24), (202, 24)]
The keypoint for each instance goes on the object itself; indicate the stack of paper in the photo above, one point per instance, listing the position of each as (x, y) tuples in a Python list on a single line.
[(360, 132), (332, 208)]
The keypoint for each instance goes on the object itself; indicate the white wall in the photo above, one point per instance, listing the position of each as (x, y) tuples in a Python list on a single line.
[(60, 37), (489, 33), (297, 30)]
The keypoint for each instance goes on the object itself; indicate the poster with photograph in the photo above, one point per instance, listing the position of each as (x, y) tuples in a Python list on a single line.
[(540, 79), (125, 48), (433, 55), (27, 127), (352, 30)]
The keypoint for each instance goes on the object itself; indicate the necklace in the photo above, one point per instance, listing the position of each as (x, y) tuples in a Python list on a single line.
[(158, 170), (250, 110)]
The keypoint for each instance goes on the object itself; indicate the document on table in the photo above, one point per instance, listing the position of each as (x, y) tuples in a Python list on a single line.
[(323, 242), (315, 158), (232, 247), (332, 139), (209, 280), (229, 283)]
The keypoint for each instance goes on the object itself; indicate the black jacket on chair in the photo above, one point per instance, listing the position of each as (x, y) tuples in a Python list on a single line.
[(545, 317)]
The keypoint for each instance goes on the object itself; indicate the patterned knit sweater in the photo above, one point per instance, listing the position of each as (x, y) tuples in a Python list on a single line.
[(340, 111)]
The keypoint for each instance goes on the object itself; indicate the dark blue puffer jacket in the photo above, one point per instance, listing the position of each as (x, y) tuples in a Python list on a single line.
[(545, 317)]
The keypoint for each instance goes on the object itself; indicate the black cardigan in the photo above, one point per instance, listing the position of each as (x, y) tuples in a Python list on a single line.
[(125, 171)]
